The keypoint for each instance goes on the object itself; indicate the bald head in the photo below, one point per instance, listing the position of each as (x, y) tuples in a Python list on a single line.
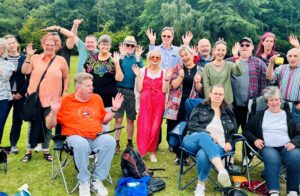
[(293, 57), (204, 48)]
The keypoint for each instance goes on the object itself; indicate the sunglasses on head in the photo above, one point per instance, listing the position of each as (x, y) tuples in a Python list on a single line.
[(245, 45), (130, 45), (168, 36), (155, 57)]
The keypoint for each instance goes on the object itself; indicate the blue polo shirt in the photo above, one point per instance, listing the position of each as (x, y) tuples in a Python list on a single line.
[(129, 77)]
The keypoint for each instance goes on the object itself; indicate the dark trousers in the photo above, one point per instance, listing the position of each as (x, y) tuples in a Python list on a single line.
[(171, 124), (16, 120), (3, 115), (240, 113)]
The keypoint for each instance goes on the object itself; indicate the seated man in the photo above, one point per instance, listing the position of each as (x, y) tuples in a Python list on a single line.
[(81, 115)]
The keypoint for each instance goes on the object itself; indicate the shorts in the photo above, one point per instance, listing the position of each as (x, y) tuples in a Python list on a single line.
[(128, 104)]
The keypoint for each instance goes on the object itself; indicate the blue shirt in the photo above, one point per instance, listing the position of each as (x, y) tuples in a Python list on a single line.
[(129, 77), (170, 57), (83, 54)]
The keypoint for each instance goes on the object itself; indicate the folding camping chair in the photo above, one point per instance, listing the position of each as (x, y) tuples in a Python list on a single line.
[(64, 156), (176, 138), (256, 105)]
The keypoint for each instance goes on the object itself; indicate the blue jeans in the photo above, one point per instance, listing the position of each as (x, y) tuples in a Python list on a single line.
[(103, 146), (3, 114), (273, 158), (202, 144), (296, 113)]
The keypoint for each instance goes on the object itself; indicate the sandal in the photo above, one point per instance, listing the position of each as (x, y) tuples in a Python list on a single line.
[(27, 157), (48, 157)]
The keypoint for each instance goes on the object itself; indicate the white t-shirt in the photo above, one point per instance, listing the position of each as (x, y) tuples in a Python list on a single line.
[(215, 127)]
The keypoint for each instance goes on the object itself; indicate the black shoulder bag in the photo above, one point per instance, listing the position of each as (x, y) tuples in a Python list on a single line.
[(32, 102)]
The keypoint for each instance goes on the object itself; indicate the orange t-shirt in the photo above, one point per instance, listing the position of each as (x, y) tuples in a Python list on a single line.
[(81, 118)]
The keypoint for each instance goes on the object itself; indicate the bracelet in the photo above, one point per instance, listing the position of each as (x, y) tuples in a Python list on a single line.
[(27, 62), (113, 111)]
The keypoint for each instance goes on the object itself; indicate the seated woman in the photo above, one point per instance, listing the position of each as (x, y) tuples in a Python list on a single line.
[(276, 136), (210, 131)]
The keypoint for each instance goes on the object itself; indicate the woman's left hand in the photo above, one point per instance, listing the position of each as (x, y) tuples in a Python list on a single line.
[(227, 147), (289, 146), (117, 101)]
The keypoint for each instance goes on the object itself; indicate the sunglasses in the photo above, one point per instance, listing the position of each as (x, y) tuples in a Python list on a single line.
[(130, 45), (168, 36), (155, 58), (245, 45)]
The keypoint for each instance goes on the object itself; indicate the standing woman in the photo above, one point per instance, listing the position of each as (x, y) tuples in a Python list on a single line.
[(185, 83), (220, 71), (106, 71), (152, 83), (18, 84), (54, 83), (6, 70), (266, 47)]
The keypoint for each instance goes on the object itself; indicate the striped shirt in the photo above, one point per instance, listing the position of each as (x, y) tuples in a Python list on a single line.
[(15, 61), (289, 82)]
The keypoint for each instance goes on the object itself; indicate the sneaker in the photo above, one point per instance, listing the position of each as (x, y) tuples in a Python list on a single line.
[(223, 178), (292, 193), (177, 161), (84, 189), (274, 193), (14, 150), (118, 149), (98, 188), (200, 190)]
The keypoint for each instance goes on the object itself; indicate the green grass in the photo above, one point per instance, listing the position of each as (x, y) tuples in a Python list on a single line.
[(37, 172)]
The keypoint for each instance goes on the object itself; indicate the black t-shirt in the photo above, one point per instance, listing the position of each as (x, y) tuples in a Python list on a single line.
[(66, 53), (104, 77)]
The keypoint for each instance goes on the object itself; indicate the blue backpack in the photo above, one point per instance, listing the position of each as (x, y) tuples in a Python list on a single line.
[(129, 186)]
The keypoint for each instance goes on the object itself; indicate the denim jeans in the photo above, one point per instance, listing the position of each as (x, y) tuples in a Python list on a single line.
[(202, 144), (103, 146), (273, 157), (3, 113), (296, 113)]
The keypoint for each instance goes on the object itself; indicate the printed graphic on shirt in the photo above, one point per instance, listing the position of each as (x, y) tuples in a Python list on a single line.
[(85, 112), (100, 67)]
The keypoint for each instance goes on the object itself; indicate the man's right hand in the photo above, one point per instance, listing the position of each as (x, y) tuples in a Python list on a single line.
[(151, 36)]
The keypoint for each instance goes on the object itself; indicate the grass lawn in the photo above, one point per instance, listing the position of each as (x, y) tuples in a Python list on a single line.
[(37, 172)]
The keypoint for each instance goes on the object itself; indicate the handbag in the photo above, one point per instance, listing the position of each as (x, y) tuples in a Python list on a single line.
[(32, 102)]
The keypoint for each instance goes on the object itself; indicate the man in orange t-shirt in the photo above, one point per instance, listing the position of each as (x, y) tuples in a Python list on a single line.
[(81, 115)]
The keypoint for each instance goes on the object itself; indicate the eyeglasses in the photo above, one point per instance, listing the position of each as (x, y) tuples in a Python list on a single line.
[(155, 57), (168, 36), (246, 45), (130, 45)]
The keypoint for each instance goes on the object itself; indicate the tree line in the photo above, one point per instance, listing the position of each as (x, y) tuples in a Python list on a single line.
[(230, 19)]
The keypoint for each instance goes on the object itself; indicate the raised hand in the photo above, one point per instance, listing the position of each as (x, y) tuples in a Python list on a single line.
[(117, 101), (136, 70), (51, 28), (186, 39), (235, 49), (77, 22), (195, 49), (116, 57), (29, 50), (294, 41), (273, 58), (122, 49), (55, 104), (139, 51), (151, 36)]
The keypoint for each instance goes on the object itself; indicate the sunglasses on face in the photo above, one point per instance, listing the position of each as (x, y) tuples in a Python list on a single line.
[(168, 36), (245, 45), (155, 57), (130, 45)]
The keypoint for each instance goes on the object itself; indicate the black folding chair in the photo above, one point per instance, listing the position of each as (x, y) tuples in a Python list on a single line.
[(63, 155)]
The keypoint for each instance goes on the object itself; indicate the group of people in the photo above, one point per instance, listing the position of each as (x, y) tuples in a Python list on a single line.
[(108, 85)]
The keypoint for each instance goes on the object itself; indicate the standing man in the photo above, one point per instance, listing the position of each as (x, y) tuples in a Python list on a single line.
[(289, 79), (130, 56), (81, 115), (250, 84), (204, 50)]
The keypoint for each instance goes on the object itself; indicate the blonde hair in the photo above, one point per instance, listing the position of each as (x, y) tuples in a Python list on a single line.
[(151, 52), (187, 49), (9, 36), (79, 77), (3, 44)]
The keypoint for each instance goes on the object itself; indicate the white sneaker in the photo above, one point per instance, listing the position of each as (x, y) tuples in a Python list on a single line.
[(200, 190), (98, 187), (292, 193), (84, 189), (38, 148), (223, 178)]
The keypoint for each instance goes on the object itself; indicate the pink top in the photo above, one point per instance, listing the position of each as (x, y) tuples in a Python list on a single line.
[(51, 85)]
